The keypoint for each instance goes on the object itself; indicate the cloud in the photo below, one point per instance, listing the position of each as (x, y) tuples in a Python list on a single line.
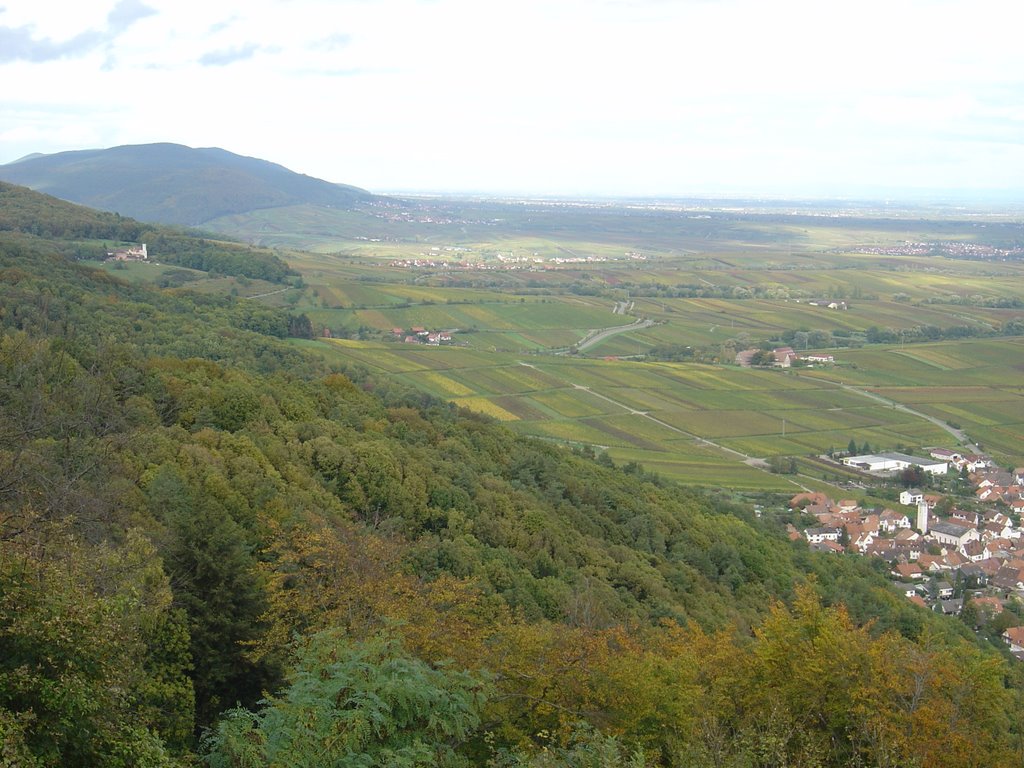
[(227, 56), (19, 43), (126, 13), (334, 42), (220, 26)]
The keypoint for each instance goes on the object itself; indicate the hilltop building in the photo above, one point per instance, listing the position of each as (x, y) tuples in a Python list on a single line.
[(132, 253)]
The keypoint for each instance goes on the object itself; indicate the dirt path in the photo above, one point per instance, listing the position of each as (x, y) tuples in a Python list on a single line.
[(262, 295)]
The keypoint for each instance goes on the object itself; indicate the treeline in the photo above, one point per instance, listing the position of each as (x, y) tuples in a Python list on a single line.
[(215, 256), (215, 550)]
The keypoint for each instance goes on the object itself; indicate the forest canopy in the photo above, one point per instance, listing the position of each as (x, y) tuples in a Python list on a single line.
[(216, 549)]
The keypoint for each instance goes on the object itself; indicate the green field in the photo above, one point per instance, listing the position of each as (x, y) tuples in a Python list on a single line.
[(684, 418), (521, 284)]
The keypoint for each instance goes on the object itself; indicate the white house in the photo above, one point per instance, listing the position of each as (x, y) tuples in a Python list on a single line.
[(911, 496), (818, 535), (1014, 636)]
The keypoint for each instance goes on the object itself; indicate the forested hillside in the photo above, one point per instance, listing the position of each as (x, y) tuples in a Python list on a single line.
[(174, 184), (81, 233), (215, 550)]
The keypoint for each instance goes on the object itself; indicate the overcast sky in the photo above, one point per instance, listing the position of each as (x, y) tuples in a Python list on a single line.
[(574, 97)]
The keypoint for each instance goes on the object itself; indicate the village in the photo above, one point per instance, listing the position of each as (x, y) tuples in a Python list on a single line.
[(944, 554)]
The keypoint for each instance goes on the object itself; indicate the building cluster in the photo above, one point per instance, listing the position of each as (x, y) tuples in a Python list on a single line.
[(131, 253), (955, 248), (981, 548), (501, 261), (420, 335), (780, 357), (828, 303)]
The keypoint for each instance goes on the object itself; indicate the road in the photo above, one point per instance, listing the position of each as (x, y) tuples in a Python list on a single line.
[(959, 434), (598, 335)]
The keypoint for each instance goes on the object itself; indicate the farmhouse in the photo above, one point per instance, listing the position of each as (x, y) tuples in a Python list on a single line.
[(895, 462)]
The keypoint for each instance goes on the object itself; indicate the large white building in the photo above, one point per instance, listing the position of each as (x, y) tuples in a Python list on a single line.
[(895, 462)]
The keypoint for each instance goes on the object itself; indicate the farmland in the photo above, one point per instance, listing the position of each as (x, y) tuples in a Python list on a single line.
[(520, 284)]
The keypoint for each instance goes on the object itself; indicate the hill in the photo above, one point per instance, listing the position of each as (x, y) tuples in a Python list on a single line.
[(194, 512), (174, 184), (82, 234)]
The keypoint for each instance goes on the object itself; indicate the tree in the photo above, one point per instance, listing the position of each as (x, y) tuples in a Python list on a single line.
[(355, 704), (217, 585)]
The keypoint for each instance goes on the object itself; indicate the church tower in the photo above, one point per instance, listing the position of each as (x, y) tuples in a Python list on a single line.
[(922, 517)]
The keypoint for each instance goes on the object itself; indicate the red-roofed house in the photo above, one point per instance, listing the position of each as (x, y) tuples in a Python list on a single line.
[(1014, 636)]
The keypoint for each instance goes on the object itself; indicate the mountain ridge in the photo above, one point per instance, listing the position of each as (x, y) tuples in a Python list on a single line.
[(171, 183)]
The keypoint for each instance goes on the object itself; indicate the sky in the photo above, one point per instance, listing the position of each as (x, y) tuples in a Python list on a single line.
[(648, 98)]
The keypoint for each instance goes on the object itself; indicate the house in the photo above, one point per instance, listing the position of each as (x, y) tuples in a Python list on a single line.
[(818, 535), (975, 551), (1014, 637), (830, 547), (905, 571), (951, 606), (988, 606), (890, 520), (882, 548), (862, 541), (818, 510), (932, 563), (784, 356), (956, 560), (945, 454), (1007, 578), (976, 572), (804, 499), (819, 358), (911, 497), (944, 590), (745, 357)]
